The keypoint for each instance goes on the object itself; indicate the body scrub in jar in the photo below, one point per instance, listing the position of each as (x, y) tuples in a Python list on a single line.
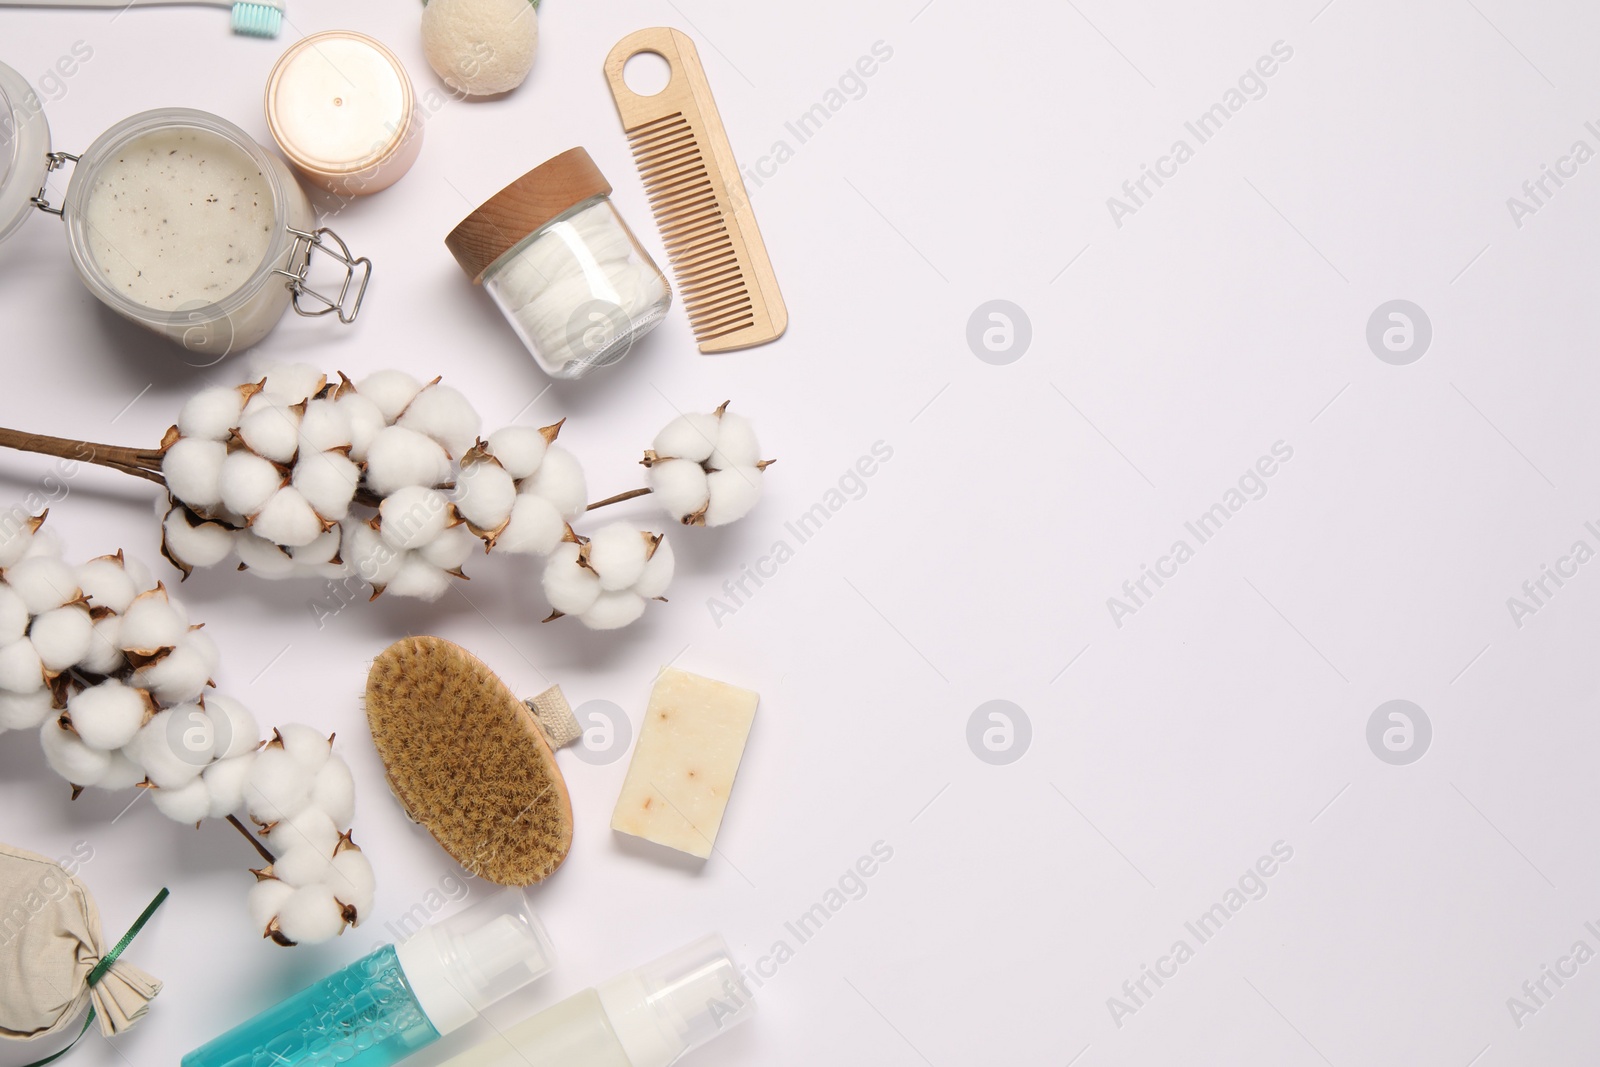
[(343, 110), (181, 223), (177, 220), (563, 267)]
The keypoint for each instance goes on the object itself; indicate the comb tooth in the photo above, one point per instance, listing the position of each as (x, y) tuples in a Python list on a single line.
[(678, 183), (671, 126), (683, 224), (681, 239), (679, 202), (722, 328), (646, 154), (730, 307), (720, 274), (704, 262), (692, 255), (676, 180), (712, 293), (708, 301)]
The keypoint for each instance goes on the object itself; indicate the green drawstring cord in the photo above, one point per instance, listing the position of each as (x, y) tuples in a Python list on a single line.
[(103, 966)]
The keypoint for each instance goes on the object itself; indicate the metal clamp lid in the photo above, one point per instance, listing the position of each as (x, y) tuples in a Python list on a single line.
[(304, 245), (52, 163)]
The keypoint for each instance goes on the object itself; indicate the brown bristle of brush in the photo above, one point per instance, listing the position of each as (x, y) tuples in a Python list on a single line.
[(719, 260), (466, 759)]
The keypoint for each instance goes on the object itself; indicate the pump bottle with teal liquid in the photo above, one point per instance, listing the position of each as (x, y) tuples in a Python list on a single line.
[(387, 1005)]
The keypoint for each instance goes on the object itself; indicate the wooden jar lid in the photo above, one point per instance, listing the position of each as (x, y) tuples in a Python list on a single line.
[(522, 207)]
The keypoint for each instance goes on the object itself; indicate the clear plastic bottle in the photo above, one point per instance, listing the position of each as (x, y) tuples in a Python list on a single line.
[(389, 1004), (647, 1017)]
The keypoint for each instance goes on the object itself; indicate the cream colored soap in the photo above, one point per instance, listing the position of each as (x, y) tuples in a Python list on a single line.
[(683, 767)]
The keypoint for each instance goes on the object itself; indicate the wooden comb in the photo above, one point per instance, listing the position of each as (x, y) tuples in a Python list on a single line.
[(695, 190)]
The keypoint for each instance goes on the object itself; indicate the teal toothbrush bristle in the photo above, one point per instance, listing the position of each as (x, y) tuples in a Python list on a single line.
[(257, 20)]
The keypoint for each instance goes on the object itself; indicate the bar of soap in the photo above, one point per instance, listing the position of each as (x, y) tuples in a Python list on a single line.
[(683, 767)]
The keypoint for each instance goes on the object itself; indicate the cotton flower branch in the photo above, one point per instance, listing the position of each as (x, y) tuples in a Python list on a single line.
[(106, 668), (387, 480)]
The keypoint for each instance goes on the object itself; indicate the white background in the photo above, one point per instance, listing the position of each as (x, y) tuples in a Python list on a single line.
[(1167, 754)]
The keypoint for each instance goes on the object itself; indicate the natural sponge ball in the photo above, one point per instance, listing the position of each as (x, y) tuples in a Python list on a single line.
[(480, 47)]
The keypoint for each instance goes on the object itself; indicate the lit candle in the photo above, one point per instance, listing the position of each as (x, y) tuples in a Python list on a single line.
[(341, 107)]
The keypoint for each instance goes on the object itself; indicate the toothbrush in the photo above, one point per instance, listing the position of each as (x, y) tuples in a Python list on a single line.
[(252, 18)]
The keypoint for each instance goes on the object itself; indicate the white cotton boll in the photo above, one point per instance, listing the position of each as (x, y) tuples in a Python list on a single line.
[(279, 787), (270, 428), (236, 729), (691, 436), (190, 802), (61, 637), (452, 549), (413, 517), (25, 711), (328, 481), (262, 558), (287, 519), (559, 480), (121, 773), (484, 495), (571, 589), (733, 493), (299, 863), (736, 443), (399, 457), (205, 545), (15, 538), (293, 382), (178, 677), (43, 583), (324, 426), (20, 668), (152, 623), (71, 758), (173, 747), (679, 485), (44, 544), (536, 527), (201, 644), (390, 390), (419, 579), (308, 747), (657, 572), (108, 715), (369, 556), (612, 611), (313, 830), (334, 791), (211, 414), (225, 782), (311, 916), (520, 449), (142, 578), (617, 551), (320, 553), (444, 414), (365, 419), (248, 481), (267, 898), (105, 648), (13, 616), (107, 584), (192, 468), (352, 881)]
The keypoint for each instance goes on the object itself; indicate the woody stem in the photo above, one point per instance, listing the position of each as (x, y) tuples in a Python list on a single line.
[(619, 498), (140, 462), (250, 837)]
